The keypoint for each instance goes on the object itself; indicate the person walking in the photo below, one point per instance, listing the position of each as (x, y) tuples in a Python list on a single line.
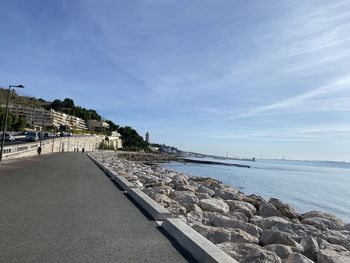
[(82, 151)]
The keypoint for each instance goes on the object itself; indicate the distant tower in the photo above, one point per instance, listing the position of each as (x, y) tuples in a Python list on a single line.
[(147, 137)]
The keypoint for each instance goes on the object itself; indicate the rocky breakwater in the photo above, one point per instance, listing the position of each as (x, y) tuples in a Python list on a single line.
[(247, 227)]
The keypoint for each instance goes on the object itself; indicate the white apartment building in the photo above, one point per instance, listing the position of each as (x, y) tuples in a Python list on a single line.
[(95, 124), (46, 118)]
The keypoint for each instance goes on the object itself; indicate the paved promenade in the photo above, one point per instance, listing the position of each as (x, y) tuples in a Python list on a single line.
[(62, 208)]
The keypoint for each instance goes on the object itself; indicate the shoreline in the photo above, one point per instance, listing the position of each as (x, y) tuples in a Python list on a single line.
[(239, 224)]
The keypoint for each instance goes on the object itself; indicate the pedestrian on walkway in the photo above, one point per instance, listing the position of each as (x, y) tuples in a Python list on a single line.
[(39, 150), (82, 151)]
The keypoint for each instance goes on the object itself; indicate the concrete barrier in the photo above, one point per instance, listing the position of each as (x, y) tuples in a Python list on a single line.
[(152, 208), (194, 243), (121, 181)]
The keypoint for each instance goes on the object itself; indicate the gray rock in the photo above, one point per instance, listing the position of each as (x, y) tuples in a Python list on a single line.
[(214, 234), (337, 221), (239, 206), (185, 187), (266, 210), (333, 254), (297, 258), (162, 199), (322, 223), (337, 238), (269, 222), (227, 194), (249, 253), (203, 196), (214, 205), (273, 236), (255, 200), (220, 234), (285, 209), (280, 250), (195, 209), (179, 179), (228, 222), (311, 247), (300, 231), (185, 198), (347, 227), (205, 190), (240, 216)]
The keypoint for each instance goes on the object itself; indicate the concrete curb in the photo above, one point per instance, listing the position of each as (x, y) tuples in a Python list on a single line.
[(98, 163), (194, 243), (152, 208), (155, 210), (120, 180)]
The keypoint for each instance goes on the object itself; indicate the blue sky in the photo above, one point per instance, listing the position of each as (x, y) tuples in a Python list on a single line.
[(243, 77)]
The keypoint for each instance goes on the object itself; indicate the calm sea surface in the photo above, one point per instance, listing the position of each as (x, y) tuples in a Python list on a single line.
[(323, 186)]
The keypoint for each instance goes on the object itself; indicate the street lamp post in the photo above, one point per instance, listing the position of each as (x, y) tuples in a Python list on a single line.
[(5, 120)]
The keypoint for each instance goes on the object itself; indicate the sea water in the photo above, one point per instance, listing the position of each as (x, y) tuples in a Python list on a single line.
[(307, 186)]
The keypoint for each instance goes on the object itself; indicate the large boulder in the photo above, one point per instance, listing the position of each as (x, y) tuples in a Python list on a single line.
[(220, 234), (255, 200), (300, 231), (337, 238), (239, 216), (229, 222), (227, 194), (162, 199), (311, 247), (239, 206), (214, 234), (211, 183), (336, 220), (322, 223), (205, 190), (269, 222), (297, 258), (282, 251), (266, 210), (333, 254), (203, 196), (273, 236), (185, 187), (214, 205), (179, 179), (249, 253), (285, 209), (184, 198)]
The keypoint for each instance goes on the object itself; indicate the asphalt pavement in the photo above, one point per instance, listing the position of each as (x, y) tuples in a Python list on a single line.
[(62, 208)]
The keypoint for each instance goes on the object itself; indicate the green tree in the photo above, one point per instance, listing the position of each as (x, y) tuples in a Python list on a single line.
[(132, 140), (68, 103), (19, 124)]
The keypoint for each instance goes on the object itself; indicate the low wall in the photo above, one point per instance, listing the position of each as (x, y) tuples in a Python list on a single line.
[(58, 144)]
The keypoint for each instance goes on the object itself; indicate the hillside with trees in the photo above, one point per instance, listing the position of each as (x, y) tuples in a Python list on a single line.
[(132, 141)]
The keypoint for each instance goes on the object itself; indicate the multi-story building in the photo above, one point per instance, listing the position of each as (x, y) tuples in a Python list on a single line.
[(39, 117), (96, 125)]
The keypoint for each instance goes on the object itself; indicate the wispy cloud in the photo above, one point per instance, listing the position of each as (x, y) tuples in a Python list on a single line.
[(301, 101)]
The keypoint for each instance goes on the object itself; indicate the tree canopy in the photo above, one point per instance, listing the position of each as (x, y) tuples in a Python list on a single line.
[(132, 141), (13, 123), (68, 106)]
